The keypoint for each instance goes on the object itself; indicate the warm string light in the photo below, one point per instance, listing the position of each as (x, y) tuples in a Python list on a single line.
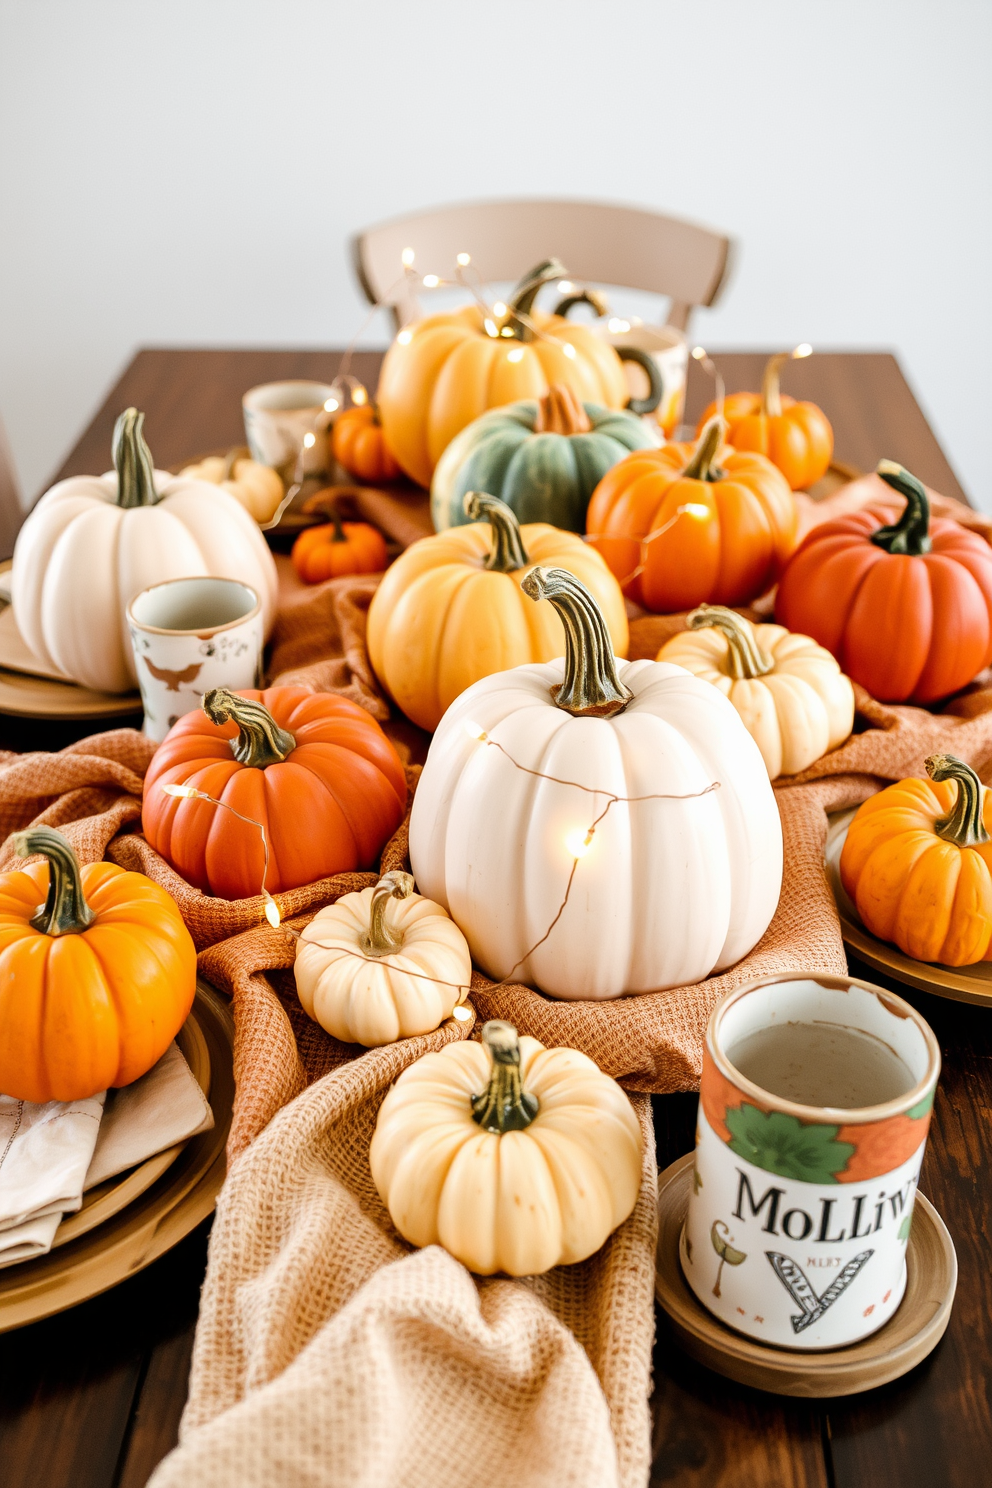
[(701, 355), (695, 509), (190, 793)]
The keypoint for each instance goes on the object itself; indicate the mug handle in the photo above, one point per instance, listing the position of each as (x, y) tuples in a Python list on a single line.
[(581, 297), (655, 386)]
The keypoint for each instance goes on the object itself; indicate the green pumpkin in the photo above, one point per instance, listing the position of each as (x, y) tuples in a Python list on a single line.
[(544, 459)]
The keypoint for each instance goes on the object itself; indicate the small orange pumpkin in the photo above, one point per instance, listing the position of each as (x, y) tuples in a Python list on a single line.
[(338, 548), (95, 983), (796, 437), (680, 530), (358, 443)]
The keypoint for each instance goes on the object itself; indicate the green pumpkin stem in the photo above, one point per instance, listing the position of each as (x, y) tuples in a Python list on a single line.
[(504, 1105), (380, 940), (911, 534), (745, 658), (65, 911), (701, 466), (133, 462), (591, 687), (771, 396), (507, 552), (260, 740), (521, 302), (964, 824)]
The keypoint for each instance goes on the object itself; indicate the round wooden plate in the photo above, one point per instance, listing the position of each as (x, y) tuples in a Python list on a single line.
[(913, 1332), (960, 983), (155, 1220)]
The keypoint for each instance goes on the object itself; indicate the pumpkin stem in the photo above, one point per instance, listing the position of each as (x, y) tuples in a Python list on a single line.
[(260, 740), (591, 687), (234, 457), (745, 658), (65, 911), (964, 824), (521, 302), (504, 1105), (701, 466), (560, 412), (507, 552), (133, 462), (771, 397), (380, 940), (911, 534)]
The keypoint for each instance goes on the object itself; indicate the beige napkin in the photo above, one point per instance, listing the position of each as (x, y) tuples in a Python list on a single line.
[(51, 1153)]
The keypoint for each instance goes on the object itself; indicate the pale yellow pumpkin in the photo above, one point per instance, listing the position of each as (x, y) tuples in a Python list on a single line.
[(514, 1157), (791, 694), (451, 609), (382, 964), (257, 487)]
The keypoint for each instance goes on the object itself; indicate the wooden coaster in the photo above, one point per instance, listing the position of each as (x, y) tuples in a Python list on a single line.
[(912, 1333), (959, 983)]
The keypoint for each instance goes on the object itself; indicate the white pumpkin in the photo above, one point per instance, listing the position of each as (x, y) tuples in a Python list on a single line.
[(514, 1157), (665, 891), (257, 487), (94, 542), (794, 699), (358, 960)]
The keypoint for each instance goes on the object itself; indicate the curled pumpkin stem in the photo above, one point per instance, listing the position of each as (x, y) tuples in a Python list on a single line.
[(504, 1105), (65, 911), (591, 687), (260, 741), (381, 940), (745, 658), (522, 300), (911, 534), (701, 466), (133, 462), (507, 552), (964, 824)]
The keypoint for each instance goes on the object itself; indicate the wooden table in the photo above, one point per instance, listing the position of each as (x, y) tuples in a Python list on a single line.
[(92, 1399)]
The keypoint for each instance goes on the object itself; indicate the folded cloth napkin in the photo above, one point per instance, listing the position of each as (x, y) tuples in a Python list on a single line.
[(51, 1153)]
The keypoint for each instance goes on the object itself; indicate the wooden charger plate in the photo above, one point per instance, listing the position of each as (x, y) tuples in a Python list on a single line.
[(152, 1221), (960, 983), (910, 1334)]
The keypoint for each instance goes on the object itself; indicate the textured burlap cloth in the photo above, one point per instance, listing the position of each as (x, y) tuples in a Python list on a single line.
[(327, 1351)]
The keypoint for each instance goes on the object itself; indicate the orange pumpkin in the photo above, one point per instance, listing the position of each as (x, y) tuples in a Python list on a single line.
[(796, 437), (917, 863), (338, 548), (95, 983), (679, 530), (358, 443), (905, 606), (314, 769)]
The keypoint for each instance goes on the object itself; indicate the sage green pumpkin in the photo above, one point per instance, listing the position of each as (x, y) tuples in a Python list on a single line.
[(543, 458)]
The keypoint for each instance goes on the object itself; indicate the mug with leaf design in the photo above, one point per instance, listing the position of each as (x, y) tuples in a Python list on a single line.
[(813, 1113)]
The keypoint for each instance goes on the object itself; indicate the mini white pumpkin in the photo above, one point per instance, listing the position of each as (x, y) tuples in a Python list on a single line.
[(665, 891), (382, 964), (794, 699), (257, 487), (514, 1157), (94, 542)]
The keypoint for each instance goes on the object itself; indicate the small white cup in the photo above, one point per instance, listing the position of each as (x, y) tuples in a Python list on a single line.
[(190, 635), (669, 351), (279, 416)]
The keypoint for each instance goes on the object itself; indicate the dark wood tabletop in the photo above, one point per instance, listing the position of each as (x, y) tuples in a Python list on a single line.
[(92, 1398)]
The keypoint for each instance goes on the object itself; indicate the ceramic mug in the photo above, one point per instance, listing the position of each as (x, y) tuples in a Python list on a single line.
[(668, 349), (799, 1214), (278, 417), (190, 635)]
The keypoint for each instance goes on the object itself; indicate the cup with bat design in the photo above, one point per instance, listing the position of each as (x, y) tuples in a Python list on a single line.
[(188, 636), (814, 1108)]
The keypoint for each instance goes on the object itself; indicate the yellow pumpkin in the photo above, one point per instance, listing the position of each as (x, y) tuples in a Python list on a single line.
[(514, 1157), (358, 961), (793, 697), (444, 371), (451, 609), (257, 487)]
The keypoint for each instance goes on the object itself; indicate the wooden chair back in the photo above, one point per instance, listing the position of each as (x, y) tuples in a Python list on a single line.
[(597, 243)]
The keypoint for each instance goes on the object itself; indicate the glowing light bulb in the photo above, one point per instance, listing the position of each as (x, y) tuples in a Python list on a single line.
[(578, 842), (698, 353), (331, 405), (461, 1013), (569, 350), (463, 260), (565, 286), (272, 911), (309, 440), (507, 331), (499, 309), (474, 730), (359, 396), (405, 337), (802, 350), (516, 355), (407, 256), (184, 792), (618, 326), (490, 326), (431, 281), (694, 509)]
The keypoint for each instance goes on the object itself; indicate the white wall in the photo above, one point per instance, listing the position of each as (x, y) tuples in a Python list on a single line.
[(188, 171)]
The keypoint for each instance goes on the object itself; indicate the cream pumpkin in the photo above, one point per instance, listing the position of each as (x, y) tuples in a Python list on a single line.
[(451, 609), (94, 542), (257, 487), (514, 1157), (794, 699), (382, 964)]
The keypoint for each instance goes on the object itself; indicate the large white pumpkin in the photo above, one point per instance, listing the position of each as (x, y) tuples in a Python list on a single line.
[(665, 890), (94, 542)]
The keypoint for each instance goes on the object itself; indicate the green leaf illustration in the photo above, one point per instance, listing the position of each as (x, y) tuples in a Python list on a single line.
[(904, 1228), (922, 1107), (785, 1145)]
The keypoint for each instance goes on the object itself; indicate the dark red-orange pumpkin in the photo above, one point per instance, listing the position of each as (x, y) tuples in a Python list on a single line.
[(314, 769), (904, 605)]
